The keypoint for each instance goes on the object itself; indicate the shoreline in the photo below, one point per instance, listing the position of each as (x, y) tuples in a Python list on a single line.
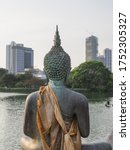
[(87, 93), (17, 90)]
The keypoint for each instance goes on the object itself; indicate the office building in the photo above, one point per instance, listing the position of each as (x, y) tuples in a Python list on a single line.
[(18, 58), (108, 58), (91, 48)]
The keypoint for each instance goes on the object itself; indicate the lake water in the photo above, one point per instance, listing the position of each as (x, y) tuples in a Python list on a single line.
[(11, 120)]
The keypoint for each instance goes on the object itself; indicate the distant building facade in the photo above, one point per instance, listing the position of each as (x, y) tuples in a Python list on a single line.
[(92, 54), (91, 48), (18, 58), (101, 58), (108, 58)]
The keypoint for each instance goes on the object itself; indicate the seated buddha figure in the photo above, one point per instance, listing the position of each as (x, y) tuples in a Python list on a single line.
[(55, 117)]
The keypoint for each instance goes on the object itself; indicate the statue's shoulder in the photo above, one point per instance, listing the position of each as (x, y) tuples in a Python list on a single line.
[(76, 95), (78, 101), (32, 98)]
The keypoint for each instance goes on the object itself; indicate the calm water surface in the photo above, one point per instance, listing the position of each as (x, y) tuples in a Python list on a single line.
[(11, 121)]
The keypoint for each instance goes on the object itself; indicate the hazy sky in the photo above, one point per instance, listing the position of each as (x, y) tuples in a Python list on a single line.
[(32, 22)]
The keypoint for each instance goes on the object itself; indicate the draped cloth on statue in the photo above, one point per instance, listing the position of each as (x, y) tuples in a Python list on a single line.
[(53, 130)]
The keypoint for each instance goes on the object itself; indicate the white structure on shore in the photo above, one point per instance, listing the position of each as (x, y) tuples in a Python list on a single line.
[(37, 73)]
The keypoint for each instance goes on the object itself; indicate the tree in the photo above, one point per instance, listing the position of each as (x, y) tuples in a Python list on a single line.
[(33, 83), (3, 72), (92, 75), (20, 80), (19, 84), (9, 80)]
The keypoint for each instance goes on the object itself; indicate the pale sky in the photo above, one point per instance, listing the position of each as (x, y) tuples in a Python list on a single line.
[(33, 23)]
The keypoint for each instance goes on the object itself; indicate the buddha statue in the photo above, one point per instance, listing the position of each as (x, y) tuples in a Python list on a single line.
[(72, 106), (55, 117)]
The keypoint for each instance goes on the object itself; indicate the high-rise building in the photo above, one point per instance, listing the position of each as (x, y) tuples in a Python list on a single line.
[(18, 58), (108, 58), (91, 48)]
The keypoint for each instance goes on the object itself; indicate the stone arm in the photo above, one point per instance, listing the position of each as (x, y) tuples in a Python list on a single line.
[(82, 114), (30, 140), (30, 116)]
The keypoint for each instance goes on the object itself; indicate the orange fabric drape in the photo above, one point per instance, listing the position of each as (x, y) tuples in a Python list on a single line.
[(51, 125)]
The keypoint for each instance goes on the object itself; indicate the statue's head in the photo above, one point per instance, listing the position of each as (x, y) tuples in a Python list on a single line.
[(57, 63)]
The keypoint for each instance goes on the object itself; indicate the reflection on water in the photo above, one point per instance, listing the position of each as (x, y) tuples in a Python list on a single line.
[(101, 121), (11, 121)]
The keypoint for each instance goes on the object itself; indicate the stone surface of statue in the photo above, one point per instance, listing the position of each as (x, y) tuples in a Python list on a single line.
[(68, 110), (72, 105)]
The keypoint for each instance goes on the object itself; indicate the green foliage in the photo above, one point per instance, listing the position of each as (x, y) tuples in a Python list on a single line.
[(9, 80), (1, 83), (19, 84), (33, 83), (26, 80), (3, 72), (23, 77), (92, 75)]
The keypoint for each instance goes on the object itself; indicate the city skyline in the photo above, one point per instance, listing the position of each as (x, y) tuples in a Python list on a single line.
[(92, 53), (33, 23)]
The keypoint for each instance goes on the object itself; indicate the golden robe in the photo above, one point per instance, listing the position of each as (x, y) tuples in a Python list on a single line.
[(54, 132)]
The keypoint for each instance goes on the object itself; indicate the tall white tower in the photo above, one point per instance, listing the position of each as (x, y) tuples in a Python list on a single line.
[(91, 48), (108, 58), (18, 58)]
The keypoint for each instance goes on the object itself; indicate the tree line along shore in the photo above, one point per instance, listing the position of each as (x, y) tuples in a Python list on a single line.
[(92, 77)]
